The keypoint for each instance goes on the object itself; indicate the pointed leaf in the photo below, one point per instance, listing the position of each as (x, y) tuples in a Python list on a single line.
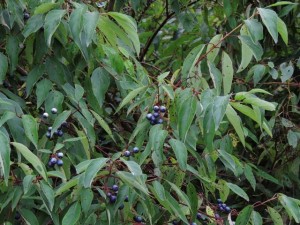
[(73, 214), (180, 153), (270, 18), (236, 122), (3, 67), (4, 156), (31, 129), (52, 21), (239, 191), (227, 71)]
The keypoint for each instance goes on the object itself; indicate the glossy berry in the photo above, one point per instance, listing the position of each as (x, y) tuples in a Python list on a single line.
[(219, 201), (60, 133), (49, 128), (200, 216), (60, 155), (135, 150), (156, 115), (60, 162), (222, 209), (217, 216), (48, 135), (152, 122), (174, 222), (160, 121), (115, 187), (193, 223), (50, 164), (121, 207), (45, 115), (155, 108), (53, 160), (227, 209), (126, 199), (54, 110), (138, 219), (127, 153), (149, 116), (112, 199), (64, 124), (108, 194), (162, 109), (224, 205), (26, 15)]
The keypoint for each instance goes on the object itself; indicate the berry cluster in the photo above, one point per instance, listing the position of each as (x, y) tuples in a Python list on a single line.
[(56, 159), (59, 132), (156, 116), (112, 196), (128, 153), (223, 207), (138, 219)]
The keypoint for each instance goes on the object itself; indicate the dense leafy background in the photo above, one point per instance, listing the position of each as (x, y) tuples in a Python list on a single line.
[(228, 73)]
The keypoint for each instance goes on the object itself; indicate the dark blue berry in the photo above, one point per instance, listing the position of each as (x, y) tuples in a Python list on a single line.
[(156, 115), (17, 216), (217, 216), (112, 199), (48, 135), (26, 15), (64, 124), (49, 129), (60, 155), (138, 219), (135, 150), (219, 201), (193, 223), (127, 153), (126, 199), (149, 116), (227, 209), (200, 216), (155, 108), (121, 207), (54, 110), (115, 187), (222, 209), (174, 222), (60, 162), (162, 109), (224, 205), (60, 133), (53, 160), (108, 194), (152, 122), (160, 121), (45, 115)]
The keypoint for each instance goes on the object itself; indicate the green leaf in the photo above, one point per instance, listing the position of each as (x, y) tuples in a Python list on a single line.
[(31, 129), (130, 96), (256, 218), (73, 214), (275, 216), (47, 195), (255, 48), (190, 61), (260, 103), (28, 216), (255, 29), (270, 18), (282, 3), (100, 81), (33, 76), (291, 206), (244, 216), (239, 191), (42, 91), (236, 122), (228, 161), (159, 190), (176, 208), (52, 21), (182, 196), (103, 124), (227, 71), (92, 170), (246, 53), (292, 138), (168, 90), (43, 8), (216, 77), (90, 20), (193, 197), (180, 153), (134, 168), (133, 181), (4, 156), (86, 198), (282, 29), (32, 159), (33, 25), (130, 28), (62, 117), (12, 51), (249, 176), (3, 67), (213, 44)]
